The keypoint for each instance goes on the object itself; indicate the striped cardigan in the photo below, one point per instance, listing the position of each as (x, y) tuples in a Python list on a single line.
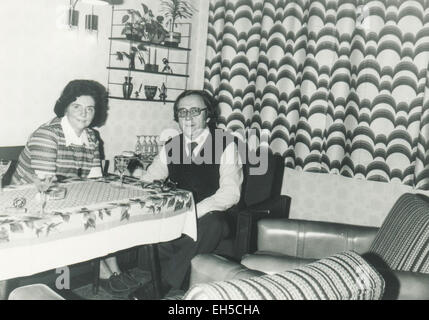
[(46, 151)]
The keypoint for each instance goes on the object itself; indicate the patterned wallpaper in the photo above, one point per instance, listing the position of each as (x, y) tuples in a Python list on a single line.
[(128, 119)]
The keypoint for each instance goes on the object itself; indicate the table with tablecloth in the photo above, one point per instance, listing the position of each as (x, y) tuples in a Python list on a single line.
[(96, 218)]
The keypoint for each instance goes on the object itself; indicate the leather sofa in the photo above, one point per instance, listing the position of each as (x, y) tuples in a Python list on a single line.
[(284, 244)]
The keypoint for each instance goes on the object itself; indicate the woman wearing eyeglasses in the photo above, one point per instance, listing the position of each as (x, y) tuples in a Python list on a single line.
[(66, 146), (204, 160)]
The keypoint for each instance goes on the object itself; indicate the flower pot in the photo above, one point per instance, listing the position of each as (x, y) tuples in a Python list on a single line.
[(173, 39), (156, 38), (151, 67), (127, 87), (133, 36), (150, 92)]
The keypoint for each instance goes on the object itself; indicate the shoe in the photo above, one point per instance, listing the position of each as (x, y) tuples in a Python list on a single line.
[(129, 280), (147, 291), (114, 284), (144, 292)]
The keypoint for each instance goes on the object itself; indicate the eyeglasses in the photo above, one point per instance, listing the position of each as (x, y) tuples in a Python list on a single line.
[(192, 112)]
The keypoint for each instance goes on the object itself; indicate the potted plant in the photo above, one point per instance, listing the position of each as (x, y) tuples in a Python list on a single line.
[(134, 51), (143, 25), (174, 10), (132, 30), (139, 51)]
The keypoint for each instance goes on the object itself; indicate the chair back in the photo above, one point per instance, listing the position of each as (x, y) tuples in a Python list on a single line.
[(257, 188), (10, 153)]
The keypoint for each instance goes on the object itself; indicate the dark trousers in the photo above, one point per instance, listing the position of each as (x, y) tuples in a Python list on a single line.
[(176, 255)]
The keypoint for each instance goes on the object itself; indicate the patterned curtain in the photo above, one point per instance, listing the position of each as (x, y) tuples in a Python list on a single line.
[(334, 85)]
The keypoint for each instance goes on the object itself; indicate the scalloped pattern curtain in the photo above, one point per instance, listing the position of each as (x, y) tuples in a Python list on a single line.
[(335, 86)]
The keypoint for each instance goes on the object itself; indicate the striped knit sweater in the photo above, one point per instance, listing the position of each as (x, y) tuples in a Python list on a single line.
[(46, 151)]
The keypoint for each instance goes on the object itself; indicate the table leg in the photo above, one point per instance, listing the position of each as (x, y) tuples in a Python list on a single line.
[(6, 286), (96, 276), (155, 268)]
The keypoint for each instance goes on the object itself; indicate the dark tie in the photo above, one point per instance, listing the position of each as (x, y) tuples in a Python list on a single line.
[(193, 145)]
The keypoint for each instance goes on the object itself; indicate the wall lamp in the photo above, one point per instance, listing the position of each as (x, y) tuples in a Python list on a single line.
[(91, 20)]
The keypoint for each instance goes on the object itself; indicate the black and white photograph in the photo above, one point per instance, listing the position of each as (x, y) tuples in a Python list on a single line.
[(224, 150)]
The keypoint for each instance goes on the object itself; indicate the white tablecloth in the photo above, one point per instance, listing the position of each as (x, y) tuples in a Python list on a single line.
[(70, 235)]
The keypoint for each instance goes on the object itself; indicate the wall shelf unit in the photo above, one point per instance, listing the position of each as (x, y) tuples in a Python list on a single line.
[(155, 45), (127, 81), (153, 72), (141, 99)]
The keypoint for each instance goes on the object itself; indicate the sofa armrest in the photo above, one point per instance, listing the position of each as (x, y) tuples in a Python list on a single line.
[(245, 241), (277, 206), (405, 285), (211, 267), (312, 239)]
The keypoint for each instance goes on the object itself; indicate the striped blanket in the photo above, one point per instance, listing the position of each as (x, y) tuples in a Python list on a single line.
[(403, 240), (344, 276)]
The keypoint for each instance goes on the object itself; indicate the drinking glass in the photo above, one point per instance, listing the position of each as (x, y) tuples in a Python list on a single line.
[(4, 166), (43, 183), (147, 148), (154, 147), (121, 164), (142, 145), (138, 147)]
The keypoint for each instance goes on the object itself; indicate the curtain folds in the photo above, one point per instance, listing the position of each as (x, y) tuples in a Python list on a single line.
[(335, 86)]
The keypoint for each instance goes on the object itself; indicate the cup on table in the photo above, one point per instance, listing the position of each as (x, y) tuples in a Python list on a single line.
[(43, 182), (4, 166), (121, 165)]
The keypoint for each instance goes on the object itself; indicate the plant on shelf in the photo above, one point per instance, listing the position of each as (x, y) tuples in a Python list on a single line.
[(143, 25), (174, 10), (134, 52), (149, 62)]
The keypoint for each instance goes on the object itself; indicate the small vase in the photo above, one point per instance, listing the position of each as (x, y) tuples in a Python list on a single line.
[(127, 87), (150, 92), (132, 64)]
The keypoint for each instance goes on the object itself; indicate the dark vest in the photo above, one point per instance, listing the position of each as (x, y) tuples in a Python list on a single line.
[(200, 175)]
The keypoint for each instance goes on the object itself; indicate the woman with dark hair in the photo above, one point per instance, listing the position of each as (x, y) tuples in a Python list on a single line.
[(66, 146)]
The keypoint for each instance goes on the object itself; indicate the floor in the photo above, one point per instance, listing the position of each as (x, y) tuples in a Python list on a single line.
[(85, 291)]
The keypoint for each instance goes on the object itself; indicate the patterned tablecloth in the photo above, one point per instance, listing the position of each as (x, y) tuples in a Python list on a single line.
[(94, 219)]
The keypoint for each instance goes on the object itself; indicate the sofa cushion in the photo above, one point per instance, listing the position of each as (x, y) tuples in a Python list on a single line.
[(211, 267), (342, 276), (403, 239), (312, 239), (272, 262)]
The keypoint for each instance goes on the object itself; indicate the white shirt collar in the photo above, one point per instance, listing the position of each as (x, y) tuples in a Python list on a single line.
[(199, 140), (71, 136)]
